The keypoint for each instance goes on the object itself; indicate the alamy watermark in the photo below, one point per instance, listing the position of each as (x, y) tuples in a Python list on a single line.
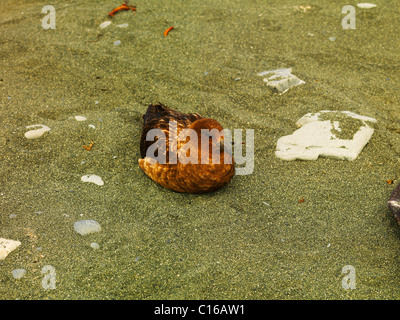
[(49, 280), (189, 152), (349, 20), (49, 21), (349, 280)]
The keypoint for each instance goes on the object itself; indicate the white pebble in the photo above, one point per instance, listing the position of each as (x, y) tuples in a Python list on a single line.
[(104, 24), (93, 178), (36, 133), (18, 273), (94, 245), (86, 226), (80, 118)]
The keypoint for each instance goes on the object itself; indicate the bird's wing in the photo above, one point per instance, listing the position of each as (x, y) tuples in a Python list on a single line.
[(163, 174)]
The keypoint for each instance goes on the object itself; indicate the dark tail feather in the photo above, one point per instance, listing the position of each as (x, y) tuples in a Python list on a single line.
[(155, 111)]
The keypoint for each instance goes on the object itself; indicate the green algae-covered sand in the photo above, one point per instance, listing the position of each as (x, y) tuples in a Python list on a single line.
[(254, 239)]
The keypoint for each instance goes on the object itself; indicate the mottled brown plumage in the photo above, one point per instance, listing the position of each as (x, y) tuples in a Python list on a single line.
[(204, 176)]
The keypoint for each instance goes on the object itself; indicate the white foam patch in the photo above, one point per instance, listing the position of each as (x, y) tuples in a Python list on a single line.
[(281, 80), (316, 137)]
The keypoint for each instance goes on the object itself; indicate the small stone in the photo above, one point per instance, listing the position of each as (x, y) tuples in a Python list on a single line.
[(94, 245), (394, 202), (104, 24), (84, 227), (18, 273)]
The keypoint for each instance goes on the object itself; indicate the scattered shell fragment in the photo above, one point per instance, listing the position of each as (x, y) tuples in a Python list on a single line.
[(104, 24), (92, 126), (36, 133), (366, 5), (117, 42), (6, 246), (123, 25), (93, 178), (84, 227), (80, 118), (281, 80), (336, 134)]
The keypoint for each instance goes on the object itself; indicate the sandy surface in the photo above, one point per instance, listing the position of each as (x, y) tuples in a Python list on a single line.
[(253, 239)]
